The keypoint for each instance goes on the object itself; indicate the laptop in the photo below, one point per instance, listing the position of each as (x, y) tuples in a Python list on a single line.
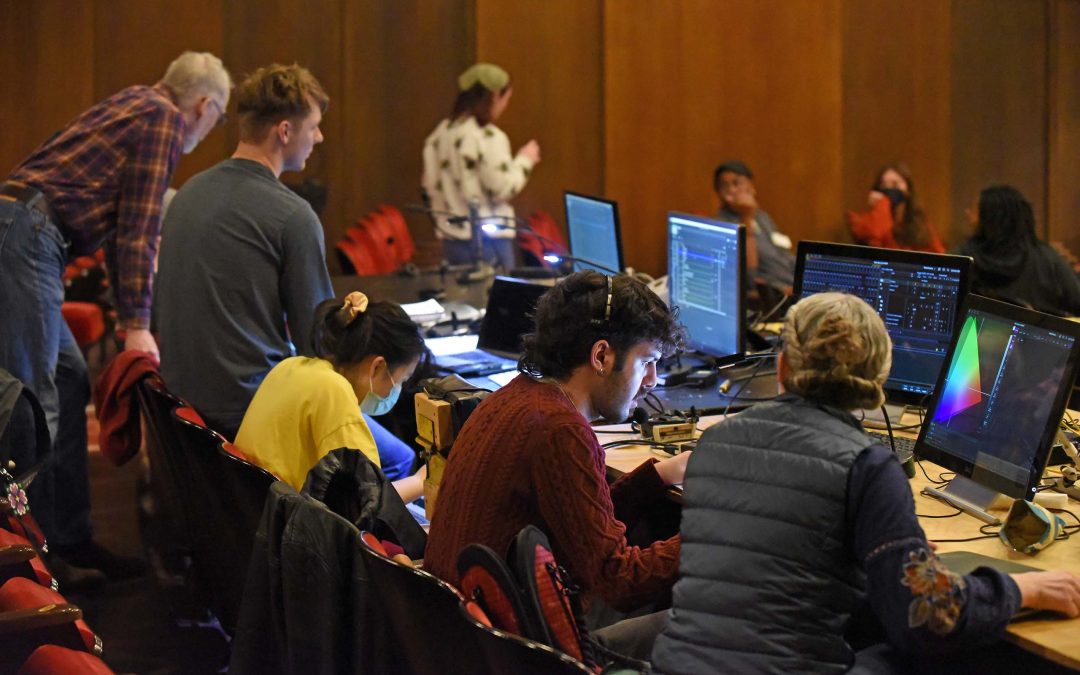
[(498, 346)]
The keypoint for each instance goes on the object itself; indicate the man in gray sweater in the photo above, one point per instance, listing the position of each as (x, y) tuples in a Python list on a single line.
[(242, 263)]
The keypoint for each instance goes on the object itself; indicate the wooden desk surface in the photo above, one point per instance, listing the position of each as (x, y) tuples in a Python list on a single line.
[(1055, 639)]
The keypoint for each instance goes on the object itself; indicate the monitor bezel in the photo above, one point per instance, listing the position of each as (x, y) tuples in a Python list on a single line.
[(618, 226), (889, 255), (963, 467), (740, 340)]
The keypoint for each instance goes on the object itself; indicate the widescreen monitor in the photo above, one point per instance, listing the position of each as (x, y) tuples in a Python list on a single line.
[(593, 227), (998, 402), (706, 281), (916, 294)]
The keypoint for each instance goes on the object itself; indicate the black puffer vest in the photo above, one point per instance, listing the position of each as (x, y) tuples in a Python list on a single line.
[(767, 582)]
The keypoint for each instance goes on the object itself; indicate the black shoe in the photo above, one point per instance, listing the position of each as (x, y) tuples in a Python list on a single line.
[(72, 579), (95, 556)]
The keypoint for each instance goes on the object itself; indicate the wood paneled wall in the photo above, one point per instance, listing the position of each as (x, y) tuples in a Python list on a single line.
[(635, 100)]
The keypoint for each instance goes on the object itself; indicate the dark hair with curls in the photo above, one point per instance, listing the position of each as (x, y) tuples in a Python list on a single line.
[(1006, 219), (570, 318), (383, 329), (910, 231), (274, 93), (476, 101)]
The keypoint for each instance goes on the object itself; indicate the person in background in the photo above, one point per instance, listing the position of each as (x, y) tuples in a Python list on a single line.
[(468, 161), (794, 519), (768, 250), (308, 406), (528, 456), (98, 181), (895, 218), (1011, 263)]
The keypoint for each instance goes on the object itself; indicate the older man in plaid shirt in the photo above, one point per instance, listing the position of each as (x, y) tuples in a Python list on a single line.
[(99, 181)]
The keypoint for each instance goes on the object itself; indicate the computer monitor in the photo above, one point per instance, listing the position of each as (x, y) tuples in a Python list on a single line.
[(706, 281), (593, 226), (998, 402), (916, 294)]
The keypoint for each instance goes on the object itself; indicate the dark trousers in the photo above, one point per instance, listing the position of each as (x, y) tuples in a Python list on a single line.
[(37, 347)]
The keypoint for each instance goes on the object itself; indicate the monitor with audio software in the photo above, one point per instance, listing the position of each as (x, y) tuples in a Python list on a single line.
[(706, 281), (593, 227), (997, 404), (916, 294)]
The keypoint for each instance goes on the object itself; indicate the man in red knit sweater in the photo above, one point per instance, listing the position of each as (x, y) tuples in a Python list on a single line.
[(528, 455)]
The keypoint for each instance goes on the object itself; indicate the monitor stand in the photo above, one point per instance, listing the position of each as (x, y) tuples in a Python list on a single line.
[(968, 496), (875, 420)]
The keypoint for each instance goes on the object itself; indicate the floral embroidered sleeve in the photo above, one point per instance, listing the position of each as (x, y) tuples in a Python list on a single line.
[(919, 602)]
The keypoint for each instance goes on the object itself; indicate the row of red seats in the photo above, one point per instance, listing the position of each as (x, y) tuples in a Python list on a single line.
[(380, 243), (211, 497), (41, 633)]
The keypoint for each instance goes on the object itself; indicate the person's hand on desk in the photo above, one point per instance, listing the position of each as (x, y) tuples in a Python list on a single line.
[(673, 469), (1057, 591)]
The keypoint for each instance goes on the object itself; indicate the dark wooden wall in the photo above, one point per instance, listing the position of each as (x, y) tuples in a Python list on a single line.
[(636, 100)]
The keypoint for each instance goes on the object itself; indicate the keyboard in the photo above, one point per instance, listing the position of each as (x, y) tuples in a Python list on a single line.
[(474, 363), (904, 445)]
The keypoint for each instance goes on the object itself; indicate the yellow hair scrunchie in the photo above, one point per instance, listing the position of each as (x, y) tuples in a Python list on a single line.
[(355, 304), (492, 77)]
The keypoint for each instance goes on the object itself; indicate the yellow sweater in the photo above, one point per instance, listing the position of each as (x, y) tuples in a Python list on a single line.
[(302, 411)]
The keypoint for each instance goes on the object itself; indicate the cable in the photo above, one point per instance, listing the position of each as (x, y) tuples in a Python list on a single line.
[(947, 515), (928, 478), (742, 385), (985, 535), (768, 315)]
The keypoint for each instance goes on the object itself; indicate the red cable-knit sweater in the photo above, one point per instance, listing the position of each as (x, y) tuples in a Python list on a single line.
[(526, 456)]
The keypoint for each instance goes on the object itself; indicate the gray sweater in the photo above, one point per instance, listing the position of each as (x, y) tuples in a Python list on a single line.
[(241, 269)]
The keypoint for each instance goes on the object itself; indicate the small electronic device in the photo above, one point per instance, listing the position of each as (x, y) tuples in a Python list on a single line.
[(998, 402), (665, 427), (592, 224)]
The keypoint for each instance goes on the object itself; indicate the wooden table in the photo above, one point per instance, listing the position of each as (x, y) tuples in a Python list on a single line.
[(1057, 640)]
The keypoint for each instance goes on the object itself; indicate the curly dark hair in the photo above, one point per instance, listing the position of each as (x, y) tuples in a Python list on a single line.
[(573, 315), (1006, 219)]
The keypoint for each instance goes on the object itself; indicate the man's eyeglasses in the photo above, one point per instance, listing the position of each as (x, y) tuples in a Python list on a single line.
[(222, 117)]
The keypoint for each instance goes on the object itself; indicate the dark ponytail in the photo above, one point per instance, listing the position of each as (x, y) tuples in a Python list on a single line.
[(383, 329)]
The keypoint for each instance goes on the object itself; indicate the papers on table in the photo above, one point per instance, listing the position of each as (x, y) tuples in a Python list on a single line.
[(427, 311)]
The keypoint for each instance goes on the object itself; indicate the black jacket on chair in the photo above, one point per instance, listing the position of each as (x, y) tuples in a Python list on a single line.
[(307, 604)]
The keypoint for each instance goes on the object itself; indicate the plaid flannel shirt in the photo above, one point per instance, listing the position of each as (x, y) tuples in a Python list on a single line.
[(105, 176)]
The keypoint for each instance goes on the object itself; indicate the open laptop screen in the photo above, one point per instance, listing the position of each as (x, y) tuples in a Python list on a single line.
[(509, 315)]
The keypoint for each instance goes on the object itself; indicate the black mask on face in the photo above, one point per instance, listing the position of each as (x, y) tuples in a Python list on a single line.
[(896, 196)]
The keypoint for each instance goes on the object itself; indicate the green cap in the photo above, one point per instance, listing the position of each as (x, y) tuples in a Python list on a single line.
[(492, 77)]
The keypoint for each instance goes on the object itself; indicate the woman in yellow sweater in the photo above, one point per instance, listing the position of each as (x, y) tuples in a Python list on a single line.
[(307, 407)]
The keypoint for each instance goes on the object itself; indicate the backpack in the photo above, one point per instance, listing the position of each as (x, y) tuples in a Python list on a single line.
[(530, 595)]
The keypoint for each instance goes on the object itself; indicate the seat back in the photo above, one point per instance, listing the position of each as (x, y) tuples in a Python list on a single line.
[(356, 253), (32, 615), (221, 538), (403, 240), (54, 660), (383, 241), (247, 484), (509, 653), (156, 404), (423, 613), (544, 237)]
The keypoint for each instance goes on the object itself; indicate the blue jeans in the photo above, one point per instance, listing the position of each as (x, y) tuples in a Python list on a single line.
[(37, 347), (395, 455)]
